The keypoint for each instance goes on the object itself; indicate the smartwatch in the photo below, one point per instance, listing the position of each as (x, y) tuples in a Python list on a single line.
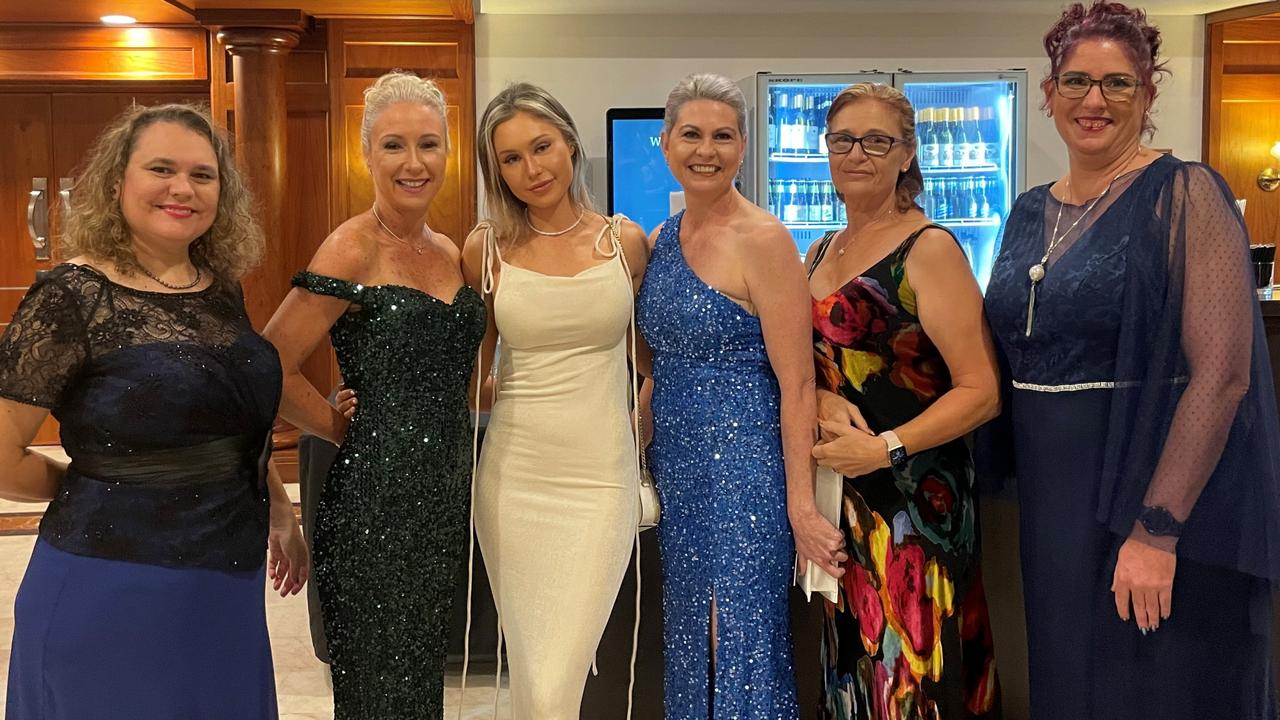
[(897, 453), (1159, 522)]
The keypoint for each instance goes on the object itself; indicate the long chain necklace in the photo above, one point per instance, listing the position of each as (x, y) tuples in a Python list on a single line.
[(188, 286), (854, 233), (1036, 272), (416, 248), (557, 233)]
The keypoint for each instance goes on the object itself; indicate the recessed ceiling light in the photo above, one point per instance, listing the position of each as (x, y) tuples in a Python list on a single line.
[(118, 20)]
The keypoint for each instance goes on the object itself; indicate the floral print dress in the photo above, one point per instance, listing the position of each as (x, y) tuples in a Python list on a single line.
[(910, 637)]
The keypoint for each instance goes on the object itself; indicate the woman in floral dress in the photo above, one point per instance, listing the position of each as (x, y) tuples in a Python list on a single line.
[(905, 368)]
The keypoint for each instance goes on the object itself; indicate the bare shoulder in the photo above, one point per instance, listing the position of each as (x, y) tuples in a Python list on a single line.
[(634, 241), (446, 243), (473, 246), (764, 235), (350, 252)]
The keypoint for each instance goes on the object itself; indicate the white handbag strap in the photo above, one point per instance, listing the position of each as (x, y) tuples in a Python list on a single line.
[(486, 288), (615, 230)]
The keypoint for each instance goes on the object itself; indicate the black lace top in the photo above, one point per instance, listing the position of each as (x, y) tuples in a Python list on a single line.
[(165, 402)]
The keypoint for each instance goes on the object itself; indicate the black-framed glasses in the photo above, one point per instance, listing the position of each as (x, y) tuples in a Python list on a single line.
[(875, 145), (1117, 87)]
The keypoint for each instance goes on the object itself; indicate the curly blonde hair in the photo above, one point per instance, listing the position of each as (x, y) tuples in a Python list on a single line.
[(94, 224)]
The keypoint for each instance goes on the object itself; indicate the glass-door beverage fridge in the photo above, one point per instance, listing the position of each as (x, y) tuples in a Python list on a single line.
[(971, 135)]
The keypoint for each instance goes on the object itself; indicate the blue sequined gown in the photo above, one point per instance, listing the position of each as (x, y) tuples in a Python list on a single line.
[(717, 460)]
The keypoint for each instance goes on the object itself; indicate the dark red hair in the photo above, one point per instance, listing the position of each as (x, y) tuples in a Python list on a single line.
[(1119, 23)]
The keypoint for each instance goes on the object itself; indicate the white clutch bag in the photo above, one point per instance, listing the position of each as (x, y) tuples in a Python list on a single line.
[(828, 489)]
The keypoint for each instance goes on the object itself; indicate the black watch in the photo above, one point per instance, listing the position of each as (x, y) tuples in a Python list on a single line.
[(1159, 522)]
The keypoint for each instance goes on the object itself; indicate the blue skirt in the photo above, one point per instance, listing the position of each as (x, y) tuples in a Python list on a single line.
[(98, 639), (1210, 659)]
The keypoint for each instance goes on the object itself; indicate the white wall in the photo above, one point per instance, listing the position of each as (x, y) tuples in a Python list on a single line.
[(594, 62)]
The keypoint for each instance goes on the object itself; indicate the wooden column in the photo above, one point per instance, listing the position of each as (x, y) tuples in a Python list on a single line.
[(261, 137)]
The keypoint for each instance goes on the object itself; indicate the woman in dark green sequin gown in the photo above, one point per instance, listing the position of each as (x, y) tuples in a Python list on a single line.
[(393, 513)]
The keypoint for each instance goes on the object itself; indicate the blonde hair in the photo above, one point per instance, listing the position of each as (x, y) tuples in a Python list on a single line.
[(705, 86), (505, 210), (95, 224), (911, 182), (401, 86)]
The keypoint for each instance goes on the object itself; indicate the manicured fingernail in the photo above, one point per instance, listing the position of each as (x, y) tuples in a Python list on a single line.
[(1143, 631)]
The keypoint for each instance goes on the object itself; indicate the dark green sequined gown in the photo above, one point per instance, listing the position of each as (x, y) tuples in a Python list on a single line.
[(393, 513)]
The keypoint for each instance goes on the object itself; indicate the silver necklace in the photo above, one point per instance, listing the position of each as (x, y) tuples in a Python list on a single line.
[(854, 233), (1036, 272), (188, 286), (416, 249), (557, 233)]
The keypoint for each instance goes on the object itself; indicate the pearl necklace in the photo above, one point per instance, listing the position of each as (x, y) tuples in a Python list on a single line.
[(557, 233), (416, 249)]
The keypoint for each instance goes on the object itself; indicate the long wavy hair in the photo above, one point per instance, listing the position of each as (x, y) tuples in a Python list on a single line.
[(505, 210), (94, 225)]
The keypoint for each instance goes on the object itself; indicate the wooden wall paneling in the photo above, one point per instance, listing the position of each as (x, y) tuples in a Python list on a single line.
[(1250, 88), (1258, 29), (26, 131), (1244, 149), (1213, 58), (1242, 12), (1251, 58), (44, 53), (359, 52)]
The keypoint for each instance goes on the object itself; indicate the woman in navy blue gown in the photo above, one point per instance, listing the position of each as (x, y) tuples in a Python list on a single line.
[(725, 308), (1140, 417), (144, 594)]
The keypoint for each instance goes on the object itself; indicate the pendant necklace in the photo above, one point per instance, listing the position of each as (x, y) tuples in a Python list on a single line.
[(416, 248), (1036, 272), (853, 234)]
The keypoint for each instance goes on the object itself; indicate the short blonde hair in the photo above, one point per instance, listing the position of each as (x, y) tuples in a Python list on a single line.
[(705, 86), (505, 210), (95, 224), (911, 182), (401, 86)]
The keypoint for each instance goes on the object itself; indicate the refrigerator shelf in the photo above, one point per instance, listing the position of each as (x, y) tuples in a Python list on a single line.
[(953, 170), (970, 222), (814, 225), (798, 158)]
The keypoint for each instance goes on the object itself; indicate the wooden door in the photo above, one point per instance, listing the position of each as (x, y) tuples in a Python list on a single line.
[(26, 135)]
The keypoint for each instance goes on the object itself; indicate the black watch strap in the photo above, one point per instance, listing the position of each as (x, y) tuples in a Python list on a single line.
[(1159, 522)]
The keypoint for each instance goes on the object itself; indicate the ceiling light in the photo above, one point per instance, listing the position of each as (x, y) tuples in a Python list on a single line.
[(118, 20)]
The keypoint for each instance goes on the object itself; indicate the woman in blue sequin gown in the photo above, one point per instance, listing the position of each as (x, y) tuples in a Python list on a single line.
[(724, 308)]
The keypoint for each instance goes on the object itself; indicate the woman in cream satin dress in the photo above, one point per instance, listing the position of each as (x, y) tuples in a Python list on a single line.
[(556, 492)]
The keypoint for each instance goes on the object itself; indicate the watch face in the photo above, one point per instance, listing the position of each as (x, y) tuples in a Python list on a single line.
[(898, 457), (1158, 521)]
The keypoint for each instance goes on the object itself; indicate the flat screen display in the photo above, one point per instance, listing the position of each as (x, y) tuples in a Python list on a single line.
[(640, 184)]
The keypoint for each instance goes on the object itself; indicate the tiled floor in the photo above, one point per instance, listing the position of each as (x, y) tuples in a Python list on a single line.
[(302, 682)]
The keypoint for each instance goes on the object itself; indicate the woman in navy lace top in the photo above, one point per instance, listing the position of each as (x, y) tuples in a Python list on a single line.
[(144, 594), (1140, 418)]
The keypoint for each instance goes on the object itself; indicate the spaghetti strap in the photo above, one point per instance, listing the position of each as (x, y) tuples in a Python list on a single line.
[(821, 252), (910, 242)]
